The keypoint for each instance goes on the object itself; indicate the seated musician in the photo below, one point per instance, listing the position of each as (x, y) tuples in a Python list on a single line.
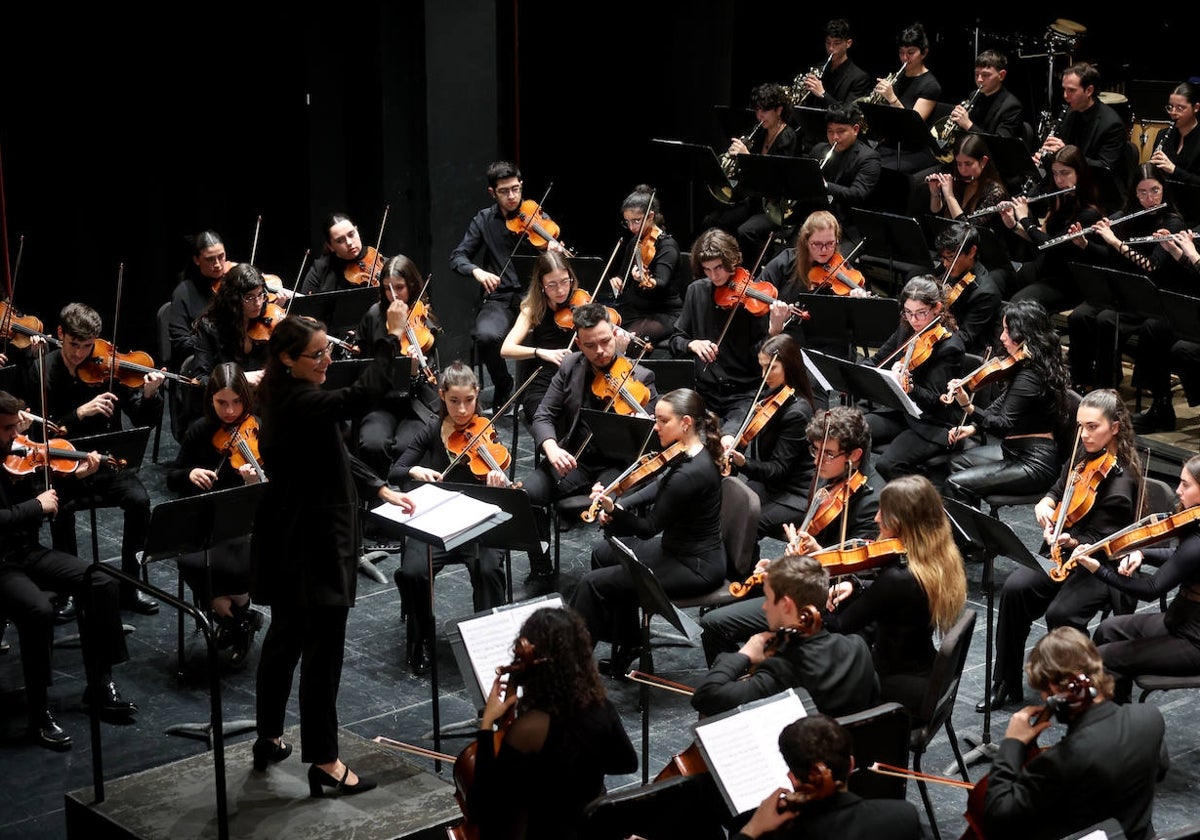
[(646, 291), (925, 325), (1037, 794), (224, 330), (843, 509), (720, 340), (794, 652), (972, 293), (1161, 352), (1097, 492), (88, 407), (31, 576), (386, 429), (427, 458), (195, 289), (1178, 155), (208, 452), (672, 523), (1156, 642), (343, 248), (775, 461), (922, 590), (850, 165), (819, 753), (574, 461)]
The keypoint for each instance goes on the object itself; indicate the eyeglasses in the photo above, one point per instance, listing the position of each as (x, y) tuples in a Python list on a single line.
[(1171, 109), (829, 456), (633, 223), (254, 297), (509, 190), (822, 246), (319, 354), (556, 284), (916, 314), (1149, 192)]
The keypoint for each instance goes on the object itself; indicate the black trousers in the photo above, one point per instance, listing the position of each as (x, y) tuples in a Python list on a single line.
[(27, 590), (106, 488), (495, 318), (1012, 468), (1141, 644), (412, 579)]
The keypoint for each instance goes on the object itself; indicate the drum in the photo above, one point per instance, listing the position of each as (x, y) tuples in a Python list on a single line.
[(1119, 103), (1064, 34)]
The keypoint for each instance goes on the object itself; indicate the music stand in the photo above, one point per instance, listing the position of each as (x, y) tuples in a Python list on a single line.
[(1012, 158), (670, 374), (777, 176), (1183, 313), (410, 531), (691, 160), (619, 437), (810, 124), (1186, 198), (991, 253), (996, 538), (653, 600), (901, 127), (196, 525), (866, 382), (518, 533), (734, 122), (892, 239), (841, 320), (1121, 291), (340, 311)]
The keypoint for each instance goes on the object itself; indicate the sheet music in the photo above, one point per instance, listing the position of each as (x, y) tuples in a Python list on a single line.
[(439, 512), (488, 639), (742, 749), (893, 381)]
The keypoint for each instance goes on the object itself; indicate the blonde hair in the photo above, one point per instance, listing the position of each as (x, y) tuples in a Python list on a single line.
[(910, 507)]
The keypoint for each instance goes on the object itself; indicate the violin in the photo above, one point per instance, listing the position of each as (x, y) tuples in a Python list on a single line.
[(618, 388), (533, 222), (239, 441), (131, 368), (742, 588), (634, 474), (757, 420), (988, 372), (917, 350), (20, 329), (1148, 530), (365, 270), (755, 296), (953, 292), (1079, 494), (27, 456), (645, 253), (260, 326), (837, 276), (828, 505), (859, 555), (418, 335), (479, 443), (564, 316)]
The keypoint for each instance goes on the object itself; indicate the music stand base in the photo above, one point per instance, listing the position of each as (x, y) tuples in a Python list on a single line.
[(981, 750), (204, 731)]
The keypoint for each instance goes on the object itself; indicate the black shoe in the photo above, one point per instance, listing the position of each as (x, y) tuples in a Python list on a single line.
[(45, 732), (66, 612), (266, 752), (243, 637), (140, 603), (318, 780), (622, 658), (110, 700), (1001, 695), (420, 659), (1159, 417)]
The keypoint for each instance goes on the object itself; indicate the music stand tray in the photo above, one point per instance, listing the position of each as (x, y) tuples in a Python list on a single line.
[(128, 445), (900, 126), (340, 310), (691, 161), (619, 437), (850, 322), (777, 176), (865, 382), (670, 374), (1013, 158), (893, 238)]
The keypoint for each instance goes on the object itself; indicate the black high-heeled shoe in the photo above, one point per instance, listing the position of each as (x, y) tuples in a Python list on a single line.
[(1001, 695), (267, 752), (318, 780)]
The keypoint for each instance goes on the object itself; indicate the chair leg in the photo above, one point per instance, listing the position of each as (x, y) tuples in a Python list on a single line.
[(95, 538), (958, 756), (933, 826)]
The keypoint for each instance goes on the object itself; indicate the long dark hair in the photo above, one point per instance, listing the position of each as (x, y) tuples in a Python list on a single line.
[(566, 680), (404, 271), (224, 311), (1064, 208), (292, 336), (794, 372), (687, 403), (1029, 323), (228, 375)]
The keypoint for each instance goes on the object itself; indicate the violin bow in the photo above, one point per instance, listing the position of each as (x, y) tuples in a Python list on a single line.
[(1068, 487), (659, 682), (379, 243), (596, 291), (908, 346), (812, 490), (845, 507), (971, 400), (6, 326), (112, 362), (753, 404), (254, 244), (491, 421), (636, 250), (961, 246), (45, 425), (296, 285), (524, 233), (830, 272)]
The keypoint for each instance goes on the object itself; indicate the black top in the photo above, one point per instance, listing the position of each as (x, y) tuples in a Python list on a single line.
[(847, 814), (999, 114), (860, 520), (189, 298), (1185, 158), (928, 381), (211, 350), (778, 457), (546, 335), (488, 244), (896, 605), (736, 369), (664, 297), (196, 451), (66, 392), (976, 310), (843, 84), (850, 176), (1023, 407), (1101, 136), (1112, 507), (328, 274), (427, 449), (1177, 567)]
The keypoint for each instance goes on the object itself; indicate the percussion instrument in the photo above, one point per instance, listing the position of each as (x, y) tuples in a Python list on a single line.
[(1119, 102), (1064, 34)]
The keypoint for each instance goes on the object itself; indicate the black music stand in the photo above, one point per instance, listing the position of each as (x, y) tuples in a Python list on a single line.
[(690, 163), (996, 539), (431, 540), (733, 122), (865, 382), (992, 253), (810, 125), (1183, 313), (196, 525), (849, 322), (1186, 198), (653, 600), (900, 127), (519, 532), (1121, 291), (619, 437), (776, 176), (340, 311), (670, 374), (893, 241), (1013, 160)]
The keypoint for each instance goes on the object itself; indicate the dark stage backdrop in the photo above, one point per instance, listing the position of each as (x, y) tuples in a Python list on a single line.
[(120, 135)]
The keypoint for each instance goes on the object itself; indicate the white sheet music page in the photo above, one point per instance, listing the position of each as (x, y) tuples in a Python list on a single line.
[(742, 749), (439, 512), (489, 639)]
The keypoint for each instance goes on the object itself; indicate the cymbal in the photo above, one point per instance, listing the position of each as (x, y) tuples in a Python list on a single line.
[(1111, 97), (1068, 27)]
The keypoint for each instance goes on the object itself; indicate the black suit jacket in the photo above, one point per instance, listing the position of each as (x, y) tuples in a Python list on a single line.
[(557, 415), (848, 815)]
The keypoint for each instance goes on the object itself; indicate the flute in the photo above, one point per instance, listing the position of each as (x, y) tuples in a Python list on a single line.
[(1058, 240), (1147, 240), (1000, 206)]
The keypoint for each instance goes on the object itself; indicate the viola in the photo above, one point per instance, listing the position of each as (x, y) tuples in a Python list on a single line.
[(646, 250), (20, 329), (757, 420), (480, 445), (755, 296), (618, 388), (260, 327), (418, 335), (918, 349), (239, 441), (564, 316), (988, 372), (533, 222), (742, 588), (959, 286), (1148, 530), (1079, 494), (28, 456), (634, 474), (365, 270), (829, 504), (131, 368), (837, 276), (859, 555)]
